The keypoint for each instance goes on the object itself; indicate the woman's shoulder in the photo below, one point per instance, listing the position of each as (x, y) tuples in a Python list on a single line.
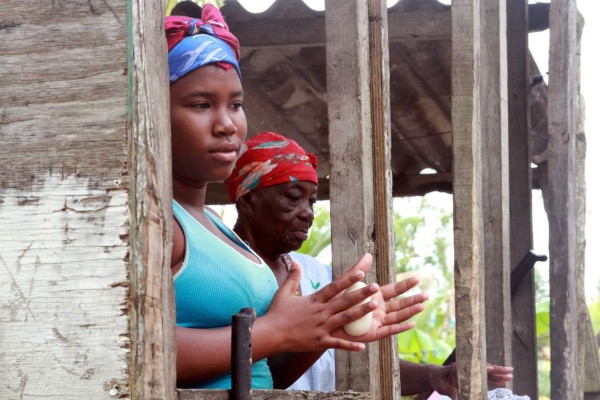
[(212, 212), (311, 265), (178, 249)]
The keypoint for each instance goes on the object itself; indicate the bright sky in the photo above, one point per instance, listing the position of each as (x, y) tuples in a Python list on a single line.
[(590, 65)]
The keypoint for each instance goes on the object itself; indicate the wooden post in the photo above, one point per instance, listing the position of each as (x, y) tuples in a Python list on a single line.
[(351, 160), (589, 362), (85, 203), (382, 178), (521, 241), (493, 89), (562, 190), (241, 354), (468, 208)]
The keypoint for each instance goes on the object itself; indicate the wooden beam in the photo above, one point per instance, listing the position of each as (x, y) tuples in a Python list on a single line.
[(493, 91), (524, 353), (152, 363), (389, 364), (562, 167), (190, 394), (403, 26), (403, 186), (351, 163), (588, 361), (468, 213)]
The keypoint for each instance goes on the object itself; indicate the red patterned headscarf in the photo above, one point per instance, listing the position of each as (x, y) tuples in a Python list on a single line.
[(269, 159)]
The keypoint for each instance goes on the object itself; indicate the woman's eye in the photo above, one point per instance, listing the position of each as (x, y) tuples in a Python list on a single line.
[(236, 106), (200, 105)]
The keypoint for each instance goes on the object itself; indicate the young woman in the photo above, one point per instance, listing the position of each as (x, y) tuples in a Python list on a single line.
[(215, 273)]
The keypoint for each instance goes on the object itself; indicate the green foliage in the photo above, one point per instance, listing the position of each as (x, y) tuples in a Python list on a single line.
[(171, 3), (423, 233), (542, 323), (418, 346), (594, 310), (319, 238)]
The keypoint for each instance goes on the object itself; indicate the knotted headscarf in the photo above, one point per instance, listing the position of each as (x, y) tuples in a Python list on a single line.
[(194, 43), (269, 159)]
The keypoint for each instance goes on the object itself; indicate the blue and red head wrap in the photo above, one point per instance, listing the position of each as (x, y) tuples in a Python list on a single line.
[(269, 159), (194, 43)]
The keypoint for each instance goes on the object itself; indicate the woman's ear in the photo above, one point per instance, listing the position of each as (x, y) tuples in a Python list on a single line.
[(245, 204)]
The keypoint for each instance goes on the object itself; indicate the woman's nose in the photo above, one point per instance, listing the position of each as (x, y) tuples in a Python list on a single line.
[(223, 124), (306, 212)]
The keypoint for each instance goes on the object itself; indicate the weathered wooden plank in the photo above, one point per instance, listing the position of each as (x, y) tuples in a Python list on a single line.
[(468, 212), (493, 89), (189, 394), (588, 356), (64, 210), (402, 185), (524, 354), (562, 191), (351, 160), (389, 366), (85, 203), (152, 367), (589, 361)]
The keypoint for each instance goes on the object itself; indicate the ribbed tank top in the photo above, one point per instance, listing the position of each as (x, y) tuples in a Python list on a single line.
[(216, 282)]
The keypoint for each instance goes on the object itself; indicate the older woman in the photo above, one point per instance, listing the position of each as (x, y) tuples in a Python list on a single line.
[(274, 187)]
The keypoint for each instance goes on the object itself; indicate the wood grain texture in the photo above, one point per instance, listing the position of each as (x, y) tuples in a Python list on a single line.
[(152, 369), (524, 351), (351, 163), (588, 360), (64, 209), (493, 90), (84, 203), (190, 394), (468, 207), (406, 26), (562, 171), (389, 366)]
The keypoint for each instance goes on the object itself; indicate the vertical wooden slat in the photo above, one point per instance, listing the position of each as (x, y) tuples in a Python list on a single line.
[(494, 176), (468, 213), (521, 241), (351, 160), (562, 200), (588, 360), (382, 179), (152, 302)]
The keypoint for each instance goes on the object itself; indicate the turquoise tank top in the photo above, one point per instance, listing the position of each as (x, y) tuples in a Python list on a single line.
[(216, 282)]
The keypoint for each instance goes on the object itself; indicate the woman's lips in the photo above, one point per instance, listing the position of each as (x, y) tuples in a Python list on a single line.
[(301, 234), (227, 152), (226, 156)]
